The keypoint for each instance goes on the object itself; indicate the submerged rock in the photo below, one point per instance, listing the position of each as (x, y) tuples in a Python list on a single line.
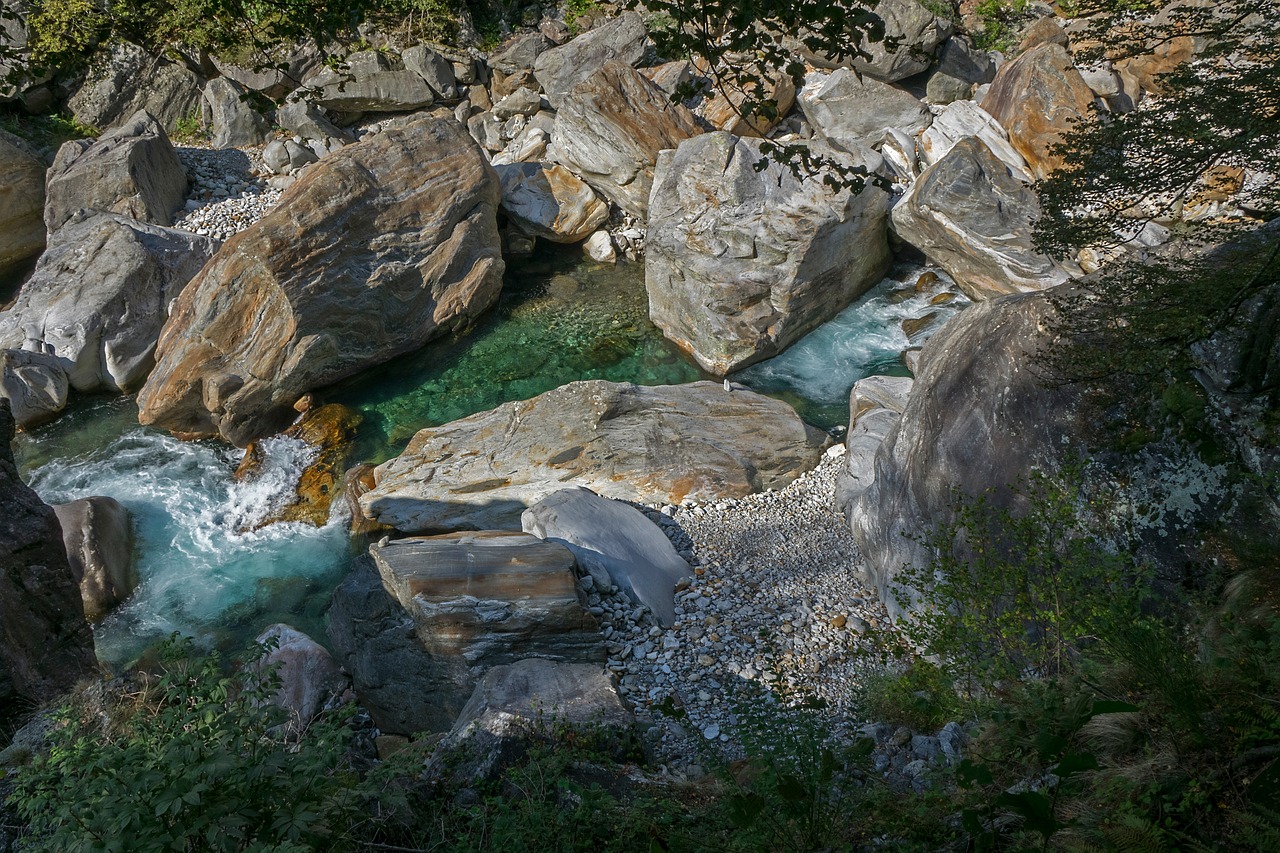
[(653, 445), (377, 249), (741, 262), (98, 536), (45, 643), (331, 431)]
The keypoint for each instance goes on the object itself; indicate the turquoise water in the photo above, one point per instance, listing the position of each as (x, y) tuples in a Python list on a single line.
[(206, 573), (559, 320)]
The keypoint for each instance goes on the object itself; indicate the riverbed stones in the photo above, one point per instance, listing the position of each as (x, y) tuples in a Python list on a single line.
[(21, 202), (560, 69), (614, 543), (100, 295), (1037, 98), (609, 130), (485, 599), (547, 200), (653, 445), (375, 250), (741, 262), (848, 110), (98, 536), (45, 643), (132, 170), (969, 214)]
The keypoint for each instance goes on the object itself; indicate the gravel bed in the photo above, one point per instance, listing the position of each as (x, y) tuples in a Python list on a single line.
[(775, 607), (228, 190)]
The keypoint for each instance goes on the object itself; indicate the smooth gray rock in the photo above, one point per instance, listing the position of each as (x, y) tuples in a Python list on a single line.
[(132, 170), (127, 80), (610, 536), (520, 53), (308, 674), (22, 231), (433, 68), (100, 296), (233, 121), (522, 101), (961, 67), (969, 214), (274, 82), (45, 643), (979, 417), (375, 250), (548, 201), (375, 640), (379, 92), (560, 69), (918, 32), (609, 131), (484, 599), (34, 384), (528, 699), (309, 121), (740, 263), (848, 111), (98, 535), (875, 405), (651, 445)]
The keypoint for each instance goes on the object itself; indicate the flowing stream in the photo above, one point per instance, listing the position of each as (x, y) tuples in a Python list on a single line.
[(206, 572)]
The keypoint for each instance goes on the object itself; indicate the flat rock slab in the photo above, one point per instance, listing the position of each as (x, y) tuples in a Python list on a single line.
[(615, 540), (651, 445), (559, 69)]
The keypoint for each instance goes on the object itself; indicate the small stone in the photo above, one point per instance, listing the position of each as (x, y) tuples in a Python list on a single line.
[(711, 732)]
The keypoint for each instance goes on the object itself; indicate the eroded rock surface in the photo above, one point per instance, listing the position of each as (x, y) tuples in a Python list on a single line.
[(99, 539), (653, 445), (560, 69), (380, 247), (21, 202), (740, 263)]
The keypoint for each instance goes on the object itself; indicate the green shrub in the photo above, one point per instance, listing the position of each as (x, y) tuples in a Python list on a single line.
[(189, 759), (921, 696)]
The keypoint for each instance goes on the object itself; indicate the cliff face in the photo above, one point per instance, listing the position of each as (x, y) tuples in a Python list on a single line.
[(45, 643)]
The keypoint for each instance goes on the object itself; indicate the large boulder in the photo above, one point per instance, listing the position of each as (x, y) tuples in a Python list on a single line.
[(99, 539), (287, 66), (484, 599), (374, 639), (875, 405), (132, 170), (612, 541), (969, 214), (961, 119), (547, 200), (45, 643), (652, 445), (21, 203), (1038, 97), (378, 248), (849, 111), (740, 262), (233, 121), (529, 700), (609, 130), (379, 92), (308, 675), (722, 106), (560, 69), (35, 385), (979, 417), (99, 297), (126, 80), (917, 32)]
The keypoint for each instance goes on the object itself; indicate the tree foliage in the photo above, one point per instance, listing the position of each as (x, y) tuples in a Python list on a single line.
[(1195, 160)]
